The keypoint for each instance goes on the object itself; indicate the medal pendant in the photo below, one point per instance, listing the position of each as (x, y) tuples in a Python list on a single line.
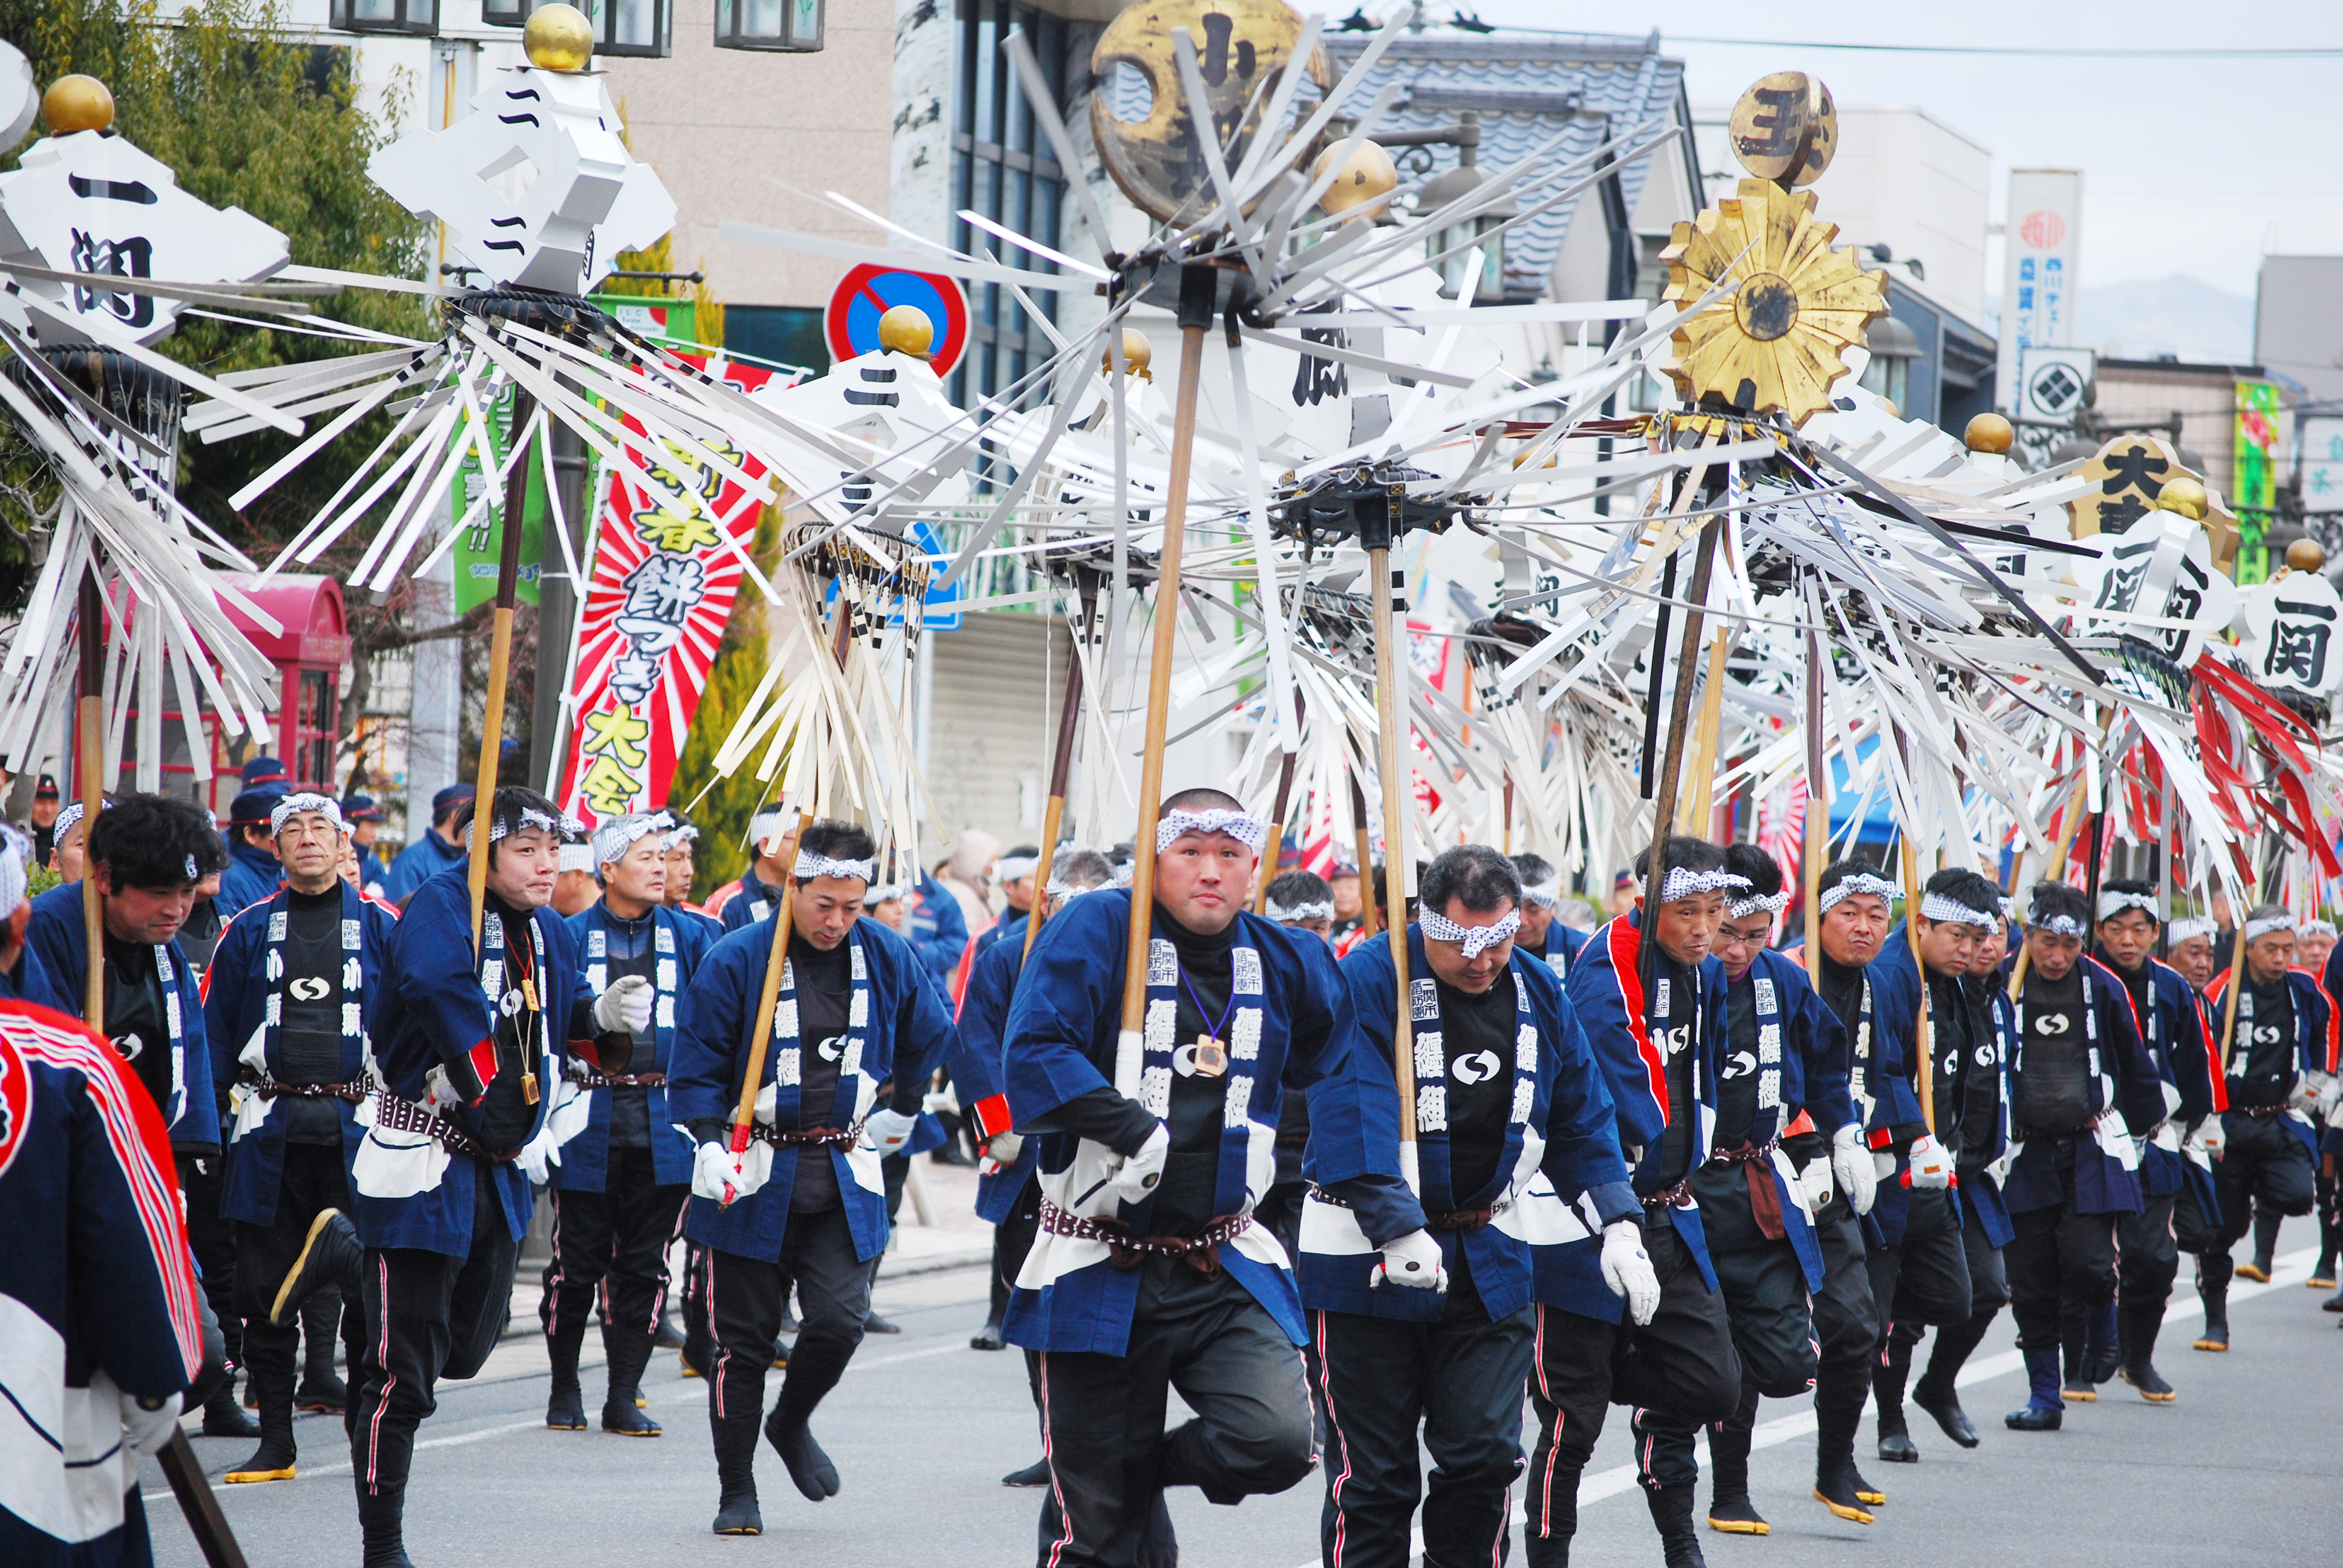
[(1211, 1057), (529, 1087)]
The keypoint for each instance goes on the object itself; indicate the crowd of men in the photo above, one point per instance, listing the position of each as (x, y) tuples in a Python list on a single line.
[(1661, 1165)]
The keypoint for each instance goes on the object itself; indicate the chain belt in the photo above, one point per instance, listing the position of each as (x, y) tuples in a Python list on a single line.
[(268, 1087), (397, 1115), (1199, 1251), (1434, 1219), (799, 1137), (584, 1077), (1676, 1197)]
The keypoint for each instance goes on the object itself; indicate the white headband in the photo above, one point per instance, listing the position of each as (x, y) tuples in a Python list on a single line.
[(676, 840), (1862, 882), (2058, 926), (1010, 867), (2257, 930), (1742, 909), (613, 840), (1476, 940), (1943, 906), (72, 814), (2114, 904), (1545, 895), (765, 824), (325, 806), (1249, 830), (2189, 929), (559, 827), (1061, 891), (1282, 913), (878, 893), (14, 875), (809, 865), (1680, 883), (2314, 928)]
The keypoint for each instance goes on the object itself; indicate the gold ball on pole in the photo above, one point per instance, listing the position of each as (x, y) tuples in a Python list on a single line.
[(1136, 355), (1364, 176), (2305, 555), (905, 329), (2186, 497), (559, 38), (76, 103), (1989, 433)]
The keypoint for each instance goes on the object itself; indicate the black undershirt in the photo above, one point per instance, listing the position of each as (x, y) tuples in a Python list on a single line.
[(1951, 1040), (1184, 1198), (628, 950), (2262, 1051), (1682, 986), (2051, 1095), (136, 1021), (1477, 1034), (1736, 1075), (310, 1037), (507, 1116), (825, 993)]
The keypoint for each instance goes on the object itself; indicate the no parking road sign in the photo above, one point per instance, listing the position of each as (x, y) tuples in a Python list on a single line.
[(870, 291)]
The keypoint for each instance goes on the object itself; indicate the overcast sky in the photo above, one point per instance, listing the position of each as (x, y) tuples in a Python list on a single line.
[(2191, 164)]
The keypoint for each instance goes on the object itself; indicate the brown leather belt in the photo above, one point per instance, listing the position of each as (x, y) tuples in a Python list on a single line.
[(1456, 1220), (1199, 1251), (395, 1115)]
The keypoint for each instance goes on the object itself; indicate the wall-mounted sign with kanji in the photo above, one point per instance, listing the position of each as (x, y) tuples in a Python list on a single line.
[(664, 581), (534, 185), (92, 203)]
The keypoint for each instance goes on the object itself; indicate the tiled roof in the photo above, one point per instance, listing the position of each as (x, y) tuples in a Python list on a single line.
[(1527, 87)]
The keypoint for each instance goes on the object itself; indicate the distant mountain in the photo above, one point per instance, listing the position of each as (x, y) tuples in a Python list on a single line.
[(2143, 318)]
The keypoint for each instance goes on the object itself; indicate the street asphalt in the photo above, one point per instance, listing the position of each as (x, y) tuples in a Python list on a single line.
[(2244, 1468)]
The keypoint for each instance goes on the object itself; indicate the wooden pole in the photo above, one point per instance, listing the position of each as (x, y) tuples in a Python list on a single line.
[(2229, 1002), (1923, 1035), (1391, 736), (1814, 836), (1199, 289), (1695, 817), (89, 740), (1276, 825), (209, 1526), (1680, 712), (492, 721), (1070, 714), (1366, 860)]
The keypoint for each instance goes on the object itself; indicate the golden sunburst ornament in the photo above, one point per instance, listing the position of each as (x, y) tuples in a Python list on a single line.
[(1797, 304)]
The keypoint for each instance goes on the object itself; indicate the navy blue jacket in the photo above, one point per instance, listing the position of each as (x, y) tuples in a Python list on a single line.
[(419, 862), (253, 875), (974, 1064)]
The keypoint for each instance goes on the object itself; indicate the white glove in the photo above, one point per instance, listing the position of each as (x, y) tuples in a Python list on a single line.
[(626, 1007), (1815, 1183), (940, 1102), (885, 1130), (715, 1172), (1136, 1177), (1627, 1269), (1858, 1169), (148, 1430), (2326, 1093), (1931, 1166), (1414, 1261), (1004, 1147), (2210, 1137)]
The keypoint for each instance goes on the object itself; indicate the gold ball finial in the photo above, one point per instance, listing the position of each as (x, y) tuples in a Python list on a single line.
[(1989, 433), (1137, 354), (2305, 555), (2186, 497), (76, 104), (905, 329), (1365, 176), (559, 38)]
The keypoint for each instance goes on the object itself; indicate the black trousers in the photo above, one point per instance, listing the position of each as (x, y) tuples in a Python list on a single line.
[(747, 1297), (313, 1181), (426, 1316), (1011, 1240), (2058, 1253), (1103, 1417), (1461, 1380), (2265, 1164), (1280, 1210), (1679, 1372), (1926, 1278), (611, 1246), (2148, 1257), (214, 1245), (1846, 1334)]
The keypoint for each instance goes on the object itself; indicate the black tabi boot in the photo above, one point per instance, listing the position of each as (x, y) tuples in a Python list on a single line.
[(223, 1417), (670, 1336), (321, 1325), (1671, 1513), (274, 1459), (2045, 1409), (736, 1473), (2265, 1226), (2074, 1380), (2141, 1322), (2102, 1343), (565, 1406), (1729, 1508), (381, 1524), (622, 1406), (330, 1255), (2213, 1289), (1935, 1391), (1839, 1396), (1896, 1445), (809, 1467), (1034, 1475), (2333, 1304)]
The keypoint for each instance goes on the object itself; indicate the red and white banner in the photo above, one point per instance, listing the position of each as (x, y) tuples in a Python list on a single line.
[(660, 595)]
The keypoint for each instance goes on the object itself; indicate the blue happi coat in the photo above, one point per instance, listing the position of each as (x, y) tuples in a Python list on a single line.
[(679, 941), (1557, 1181), (243, 1008), (897, 1027), (33, 983), (1893, 1208), (2179, 1043), (55, 935), (974, 1064), (1563, 946), (2317, 1024), (433, 1023), (2122, 1077), (252, 877), (1292, 1026)]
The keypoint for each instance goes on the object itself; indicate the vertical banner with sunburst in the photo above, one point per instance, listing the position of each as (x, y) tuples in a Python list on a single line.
[(663, 583)]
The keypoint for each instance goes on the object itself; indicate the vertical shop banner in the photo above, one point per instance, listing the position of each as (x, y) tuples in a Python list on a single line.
[(477, 549), (2322, 464), (660, 595), (2253, 478), (2042, 234)]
